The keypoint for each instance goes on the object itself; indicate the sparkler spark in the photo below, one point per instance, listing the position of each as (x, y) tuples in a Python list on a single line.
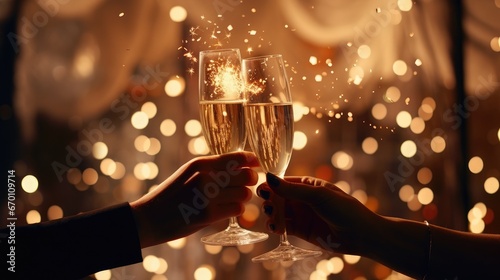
[(193, 31), (225, 78)]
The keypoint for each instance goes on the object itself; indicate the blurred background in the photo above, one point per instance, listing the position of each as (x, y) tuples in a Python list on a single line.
[(396, 101)]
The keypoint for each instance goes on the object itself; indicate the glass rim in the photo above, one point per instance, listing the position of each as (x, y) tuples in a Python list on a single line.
[(220, 50), (277, 55)]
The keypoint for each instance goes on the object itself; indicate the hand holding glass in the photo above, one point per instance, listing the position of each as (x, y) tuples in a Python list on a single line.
[(222, 116), (269, 114)]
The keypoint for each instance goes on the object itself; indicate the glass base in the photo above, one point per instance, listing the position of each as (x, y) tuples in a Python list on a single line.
[(286, 252), (233, 236)]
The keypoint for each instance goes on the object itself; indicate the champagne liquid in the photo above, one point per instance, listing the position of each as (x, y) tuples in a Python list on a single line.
[(270, 132), (223, 125)]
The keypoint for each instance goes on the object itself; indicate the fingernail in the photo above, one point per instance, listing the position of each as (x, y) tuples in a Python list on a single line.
[(264, 194), (272, 179), (272, 227), (268, 209)]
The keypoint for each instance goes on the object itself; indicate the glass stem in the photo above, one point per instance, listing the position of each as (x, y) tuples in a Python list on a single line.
[(233, 222), (284, 239)]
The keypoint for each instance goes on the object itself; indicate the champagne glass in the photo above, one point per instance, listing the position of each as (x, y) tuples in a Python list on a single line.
[(269, 114), (222, 116)]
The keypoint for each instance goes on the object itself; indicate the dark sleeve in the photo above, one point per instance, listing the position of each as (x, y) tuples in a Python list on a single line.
[(74, 247)]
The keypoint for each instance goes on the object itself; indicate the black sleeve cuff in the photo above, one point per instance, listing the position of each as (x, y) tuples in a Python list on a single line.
[(73, 247)]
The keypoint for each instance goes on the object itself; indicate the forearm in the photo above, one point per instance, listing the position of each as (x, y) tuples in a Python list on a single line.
[(463, 255), (408, 247)]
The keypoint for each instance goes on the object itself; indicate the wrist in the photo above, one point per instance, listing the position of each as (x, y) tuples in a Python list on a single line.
[(374, 240), (140, 220), (402, 245)]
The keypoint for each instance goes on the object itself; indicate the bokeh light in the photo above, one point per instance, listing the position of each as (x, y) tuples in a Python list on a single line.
[(414, 204), (364, 51), (108, 166), (299, 111), (299, 140), (425, 113), (29, 183), (438, 144), (33, 217), (417, 125), (424, 175), (213, 249), (74, 176), (399, 67), (146, 170), (495, 44), (476, 165), (177, 243), (356, 75), (392, 94), (429, 104), (360, 195), (103, 275), (403, 119), (151, 263), (491, 185), (475, 217), (246, 249), (342, 160), (178, 14), (55, 212), (408, 148), (168, 127), (313, 60), (204, 272), (351, 259), (159, 277), (193, 128), (369, 145), (142, 143), (379, 111), (477, 226), (318, 275), (337, 264), (425, 196), (406, 193), (119, 172), (405, 5), (139, 120), (344, 186), (99, 150), (90, 176), (154, 146), (163, 266), (198, 146), (149, 108), (251, 212), (324, 267), (175, 86)]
